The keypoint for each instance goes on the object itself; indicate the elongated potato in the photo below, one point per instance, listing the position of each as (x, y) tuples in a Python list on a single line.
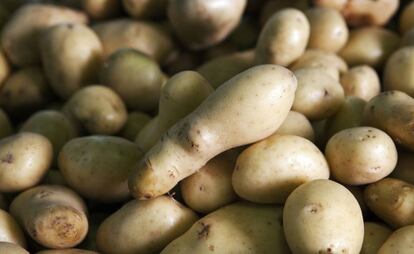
[(145, 8), (322, 216), (101, 9), (236, 228), (67, 251), (297, 124), (405, 167), (54, 216), (259, 97), (400, 241), (6, 126), (144, 226), (108, 159), (398, 74), (134, 124), (11, 248), (361, 81), (406, 19), (10, 231), (284, 38), (375, 235)]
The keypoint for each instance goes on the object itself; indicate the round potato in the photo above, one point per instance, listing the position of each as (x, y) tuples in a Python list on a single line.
[(398, 74), (375, 235), (405, 167), (322, 216), (406, 19), (361, 81), (10, 231), (11, 248), (101, 9), (134, 124), (297, 124), (6, 128), (400, 241), (24, 160), (143, 9)]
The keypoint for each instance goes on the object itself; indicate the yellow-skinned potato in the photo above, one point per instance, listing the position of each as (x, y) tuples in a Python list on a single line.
[(11, 248), (98, 109), (201, 24), (144, 226), (5, 68), (268, 171), (180, 95), (408, 38), (24, 160), (145, 8), (237, 228), (101, 9), (405, 167), (328, 30), (284, 38), (370, 45), (108, 159), (145, 37), (10, 231), (392, 112), (67, 251), (398, 72), (318, 95), (52, 215), (134, 124), (6, 128), (322, 216), (259, 97), (271, 6), (400, 241), (210, 188), (392, 201), (135, 77), (20, 35), (361, 81), (406, 19), (297, 124), (375, 234)]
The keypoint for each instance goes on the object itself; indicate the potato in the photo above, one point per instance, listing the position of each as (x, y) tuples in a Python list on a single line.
[(408, 38), (271, 6), (24, 159), (322, 216), (375, 235), (5, 68), (53, 125), (24, 92), (318, 95), (98, 109), (237, 228), (6, 126), (19, 36), (296, 124), (52, 215), (406, 19), (268, 171), (67, 251), (108, 159), (134, 124), (284, 38), (101, 9), (328, 30), (391, 200), (369, 46), (182, 93), (361, 81), (135, 77), (145, 8), (201, 24), (392, 112), (334, 4), (405, 167), (145, 37), (210, 188), (144, 226), (399, 242), (10, 231), (259, 97), (367, 12), (398, 74), (54, 177), (11, 248)]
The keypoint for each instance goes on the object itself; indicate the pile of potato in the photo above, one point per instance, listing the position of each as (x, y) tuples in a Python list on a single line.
[(206, 126)]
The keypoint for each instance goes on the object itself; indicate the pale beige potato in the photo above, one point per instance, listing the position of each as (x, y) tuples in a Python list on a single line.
[(101, 9), (399, 242), (98, 109), (328, 30), (271, 6), (24, 160), (284, 38), (406, 19), (145, 8), (375, 234), (5, 68), (369, 46), (398, 72), (237, 228), (12, 248), (201, 24), (259, 97), (322, 216), (19, 36), (6, 126), (210, 188), (52, 215), (144, 226), (10, 231), (97, 167), (67, 251), (134, 124), (361, 81), (405, 167), (318, 95), (408, 38), (296, 124)]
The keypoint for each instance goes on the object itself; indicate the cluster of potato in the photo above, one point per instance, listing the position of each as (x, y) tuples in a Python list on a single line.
[(206, 126)]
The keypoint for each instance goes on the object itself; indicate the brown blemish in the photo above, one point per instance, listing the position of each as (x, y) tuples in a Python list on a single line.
[(204, 232), (326, 93), (313, 208), (8, 158), (211, 247), (147, 196)]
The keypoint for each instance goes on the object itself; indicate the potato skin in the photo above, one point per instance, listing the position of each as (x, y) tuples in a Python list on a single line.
[(406, 19), (10, 231), (400, 241), (367, 12), (67, 251), (375, 234), (5, 67), (144, 226), (145, 8), (101, 9), (12, 248), (361, 81), (6, 126), (322, 216), (408, 38), (398, 74), (297, 124)]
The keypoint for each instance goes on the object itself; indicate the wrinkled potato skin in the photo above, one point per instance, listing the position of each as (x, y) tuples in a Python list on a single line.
[(10, 231), (24, 159), (67, 251), (400, 241), (398, 73), (6, 126), (405, 167), (11, 248), (142, 9), (101, 9), (406, 20), (284, 38), (134, 124), (361, 81), (375, 235), (297, 124), (122, 231)]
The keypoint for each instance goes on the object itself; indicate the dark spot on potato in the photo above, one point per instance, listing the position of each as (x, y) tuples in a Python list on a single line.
[(326, 93), (8, 158), (372, 108), (314, 208), (44, 194), (204, 232), (211, 247), (147, 196), (202, 188)]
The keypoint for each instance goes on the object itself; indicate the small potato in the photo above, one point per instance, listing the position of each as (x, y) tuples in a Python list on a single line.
[(328, 30), (144, 9), (5, 68), (322, 216), (10, 231), (318, 95), (284, 38), (408, 38), (11, 248), (67, 251), (144, 226), (297, 124), (400, 241), (405, 167), (369, 46), (406, 19), (271, 6), (101, 9), (201, 24), (392, 201), (361, 81), (98, 109), (135, 77), (398, 72), (134, 124), (52, 215), (268, 171), (6, 128), (375, 235), (24, 160)]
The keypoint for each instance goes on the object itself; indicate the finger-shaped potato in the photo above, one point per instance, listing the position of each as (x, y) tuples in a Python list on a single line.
[(142, 9), (405, 167), (101, 9), (361, 81), (10, 231), (297, 124), (398, 72), (375, 235), (6, 128), (11, 248), (406, 19), (400, 241), (134, 124)]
